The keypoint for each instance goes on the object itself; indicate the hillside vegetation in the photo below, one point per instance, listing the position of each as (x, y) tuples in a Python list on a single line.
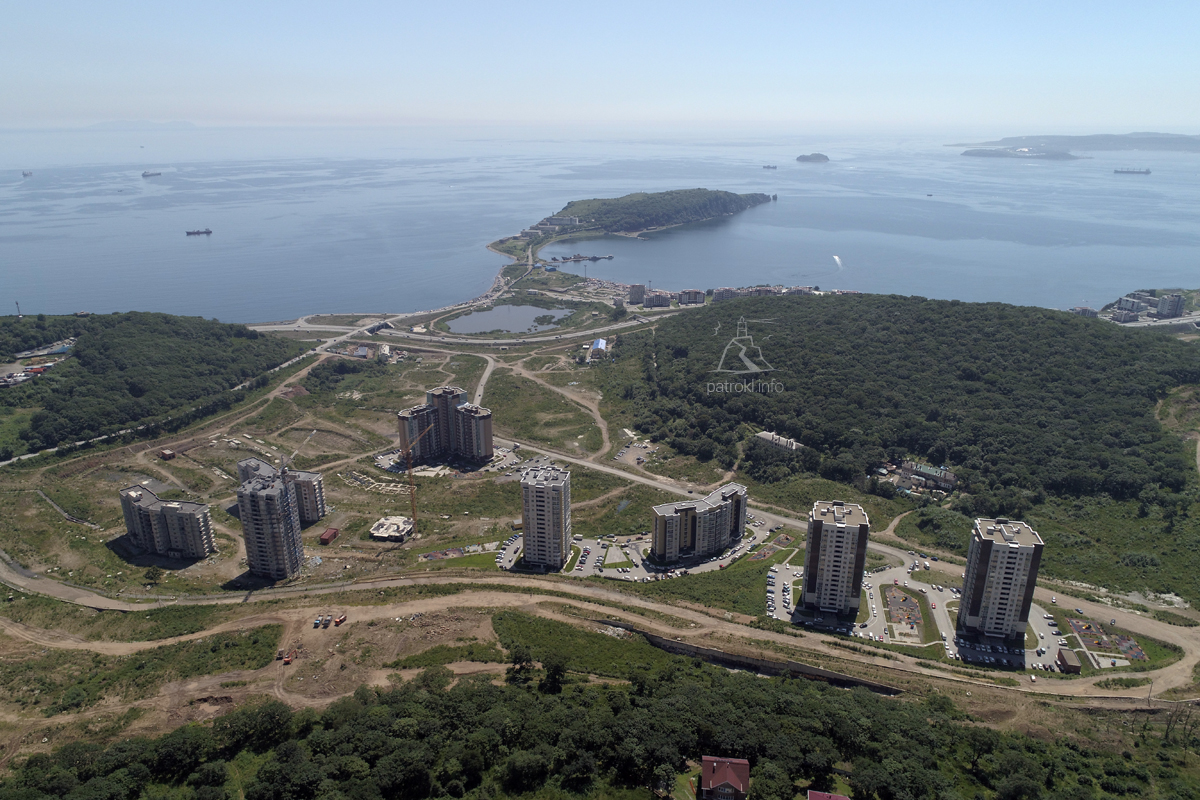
[(1022, 402), (639, 211), (546, 735), (134, 368)]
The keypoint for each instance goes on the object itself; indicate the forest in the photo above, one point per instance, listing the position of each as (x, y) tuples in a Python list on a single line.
[(548, 732), (133, 368), (639, 211), (1020, 402)]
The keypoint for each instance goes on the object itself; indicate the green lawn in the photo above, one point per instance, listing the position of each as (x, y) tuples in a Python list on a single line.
[(741, 587)]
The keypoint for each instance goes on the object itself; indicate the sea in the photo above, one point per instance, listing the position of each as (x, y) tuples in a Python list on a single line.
[(308, 221)]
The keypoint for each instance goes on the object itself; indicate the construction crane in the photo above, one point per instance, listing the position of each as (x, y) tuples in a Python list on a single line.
[(288, 460), (412, 486)]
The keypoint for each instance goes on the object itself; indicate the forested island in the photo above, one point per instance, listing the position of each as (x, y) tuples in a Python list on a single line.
[(127, 370), (641, 211)]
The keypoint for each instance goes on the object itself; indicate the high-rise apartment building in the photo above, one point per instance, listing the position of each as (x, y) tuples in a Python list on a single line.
[(446, 425), (699, 527), (310, 487), (637, 293), (270, 517), (834, 556), (546, 517), (172, 529), (1002, 566)]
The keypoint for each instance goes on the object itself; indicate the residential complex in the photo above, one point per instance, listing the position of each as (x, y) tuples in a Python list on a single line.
[(446, 425), (168, 528), (699, 527), (834, 557), (546, 517), (270, 515), (1002, 566)]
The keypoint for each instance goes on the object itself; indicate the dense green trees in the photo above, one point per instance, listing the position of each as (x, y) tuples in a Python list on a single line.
[(138, 368), (480, 740), (642, 210), (1019, 401)]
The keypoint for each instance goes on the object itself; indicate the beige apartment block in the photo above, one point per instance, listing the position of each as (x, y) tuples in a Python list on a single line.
[(835, 554), (1002, 566)]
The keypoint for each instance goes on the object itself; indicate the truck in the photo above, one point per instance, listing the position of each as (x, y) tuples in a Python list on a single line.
[(317, 621), (337, 622), (328, 619)]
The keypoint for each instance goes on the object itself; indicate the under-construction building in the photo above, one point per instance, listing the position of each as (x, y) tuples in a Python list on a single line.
[(446, 425)]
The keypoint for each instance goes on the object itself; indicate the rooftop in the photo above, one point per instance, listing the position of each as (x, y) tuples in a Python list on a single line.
[(544, 475), (717, 771), (1007, 531), (836, 512), (711, 501)]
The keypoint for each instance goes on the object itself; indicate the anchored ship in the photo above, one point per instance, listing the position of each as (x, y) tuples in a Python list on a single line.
[(1131, 172), (151, 174), (205, 232), (26, 174)]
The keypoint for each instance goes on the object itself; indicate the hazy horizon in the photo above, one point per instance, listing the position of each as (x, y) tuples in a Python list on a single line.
[(872, 68)]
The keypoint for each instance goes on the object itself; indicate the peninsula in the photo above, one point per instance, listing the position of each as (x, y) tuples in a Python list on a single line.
[(630, 215), (1021, 152), (1176, 142)]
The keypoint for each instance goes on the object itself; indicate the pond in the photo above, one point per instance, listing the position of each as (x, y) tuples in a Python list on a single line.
[(511, 319)]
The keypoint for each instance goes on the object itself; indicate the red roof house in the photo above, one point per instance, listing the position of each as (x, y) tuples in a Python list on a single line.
[(724, 778)]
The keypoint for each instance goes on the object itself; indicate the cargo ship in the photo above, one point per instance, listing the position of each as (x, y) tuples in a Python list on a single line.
[(26, 174), (1131, 172), (770, 166), (151, 174), (205, 232)]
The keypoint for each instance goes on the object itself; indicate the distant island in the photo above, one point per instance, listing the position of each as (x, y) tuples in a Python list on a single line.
[(1102, 141), (813, 158), (1022, 152)]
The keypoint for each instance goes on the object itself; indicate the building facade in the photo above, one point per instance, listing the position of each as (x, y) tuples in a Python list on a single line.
[(270, 515), (310, 494), (446, 425), (834, 556), (699, 527), (637, 293), (171, 529), (1170, 305), (546, 517), (1002, 567)]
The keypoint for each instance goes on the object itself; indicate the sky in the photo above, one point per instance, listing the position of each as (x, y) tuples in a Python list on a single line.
[(999, 68)]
